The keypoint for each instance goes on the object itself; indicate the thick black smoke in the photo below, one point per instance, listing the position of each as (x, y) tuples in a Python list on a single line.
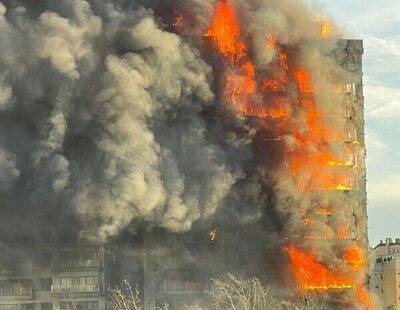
[(105, 122)]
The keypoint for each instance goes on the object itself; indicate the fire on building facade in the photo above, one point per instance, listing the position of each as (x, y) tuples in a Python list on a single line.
[(246, 156), (336, 216)]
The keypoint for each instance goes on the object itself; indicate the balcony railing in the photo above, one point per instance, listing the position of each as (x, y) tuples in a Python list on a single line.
[(17, 293), (88, 264), (58, 289)]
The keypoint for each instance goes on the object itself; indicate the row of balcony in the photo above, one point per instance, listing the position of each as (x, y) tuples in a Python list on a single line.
[(61, 289), (54, 266), (26, 293), (87, 264), (16, 293)]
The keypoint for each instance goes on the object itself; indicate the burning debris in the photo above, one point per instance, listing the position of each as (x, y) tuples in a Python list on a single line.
[(119, 113), (213, 234)]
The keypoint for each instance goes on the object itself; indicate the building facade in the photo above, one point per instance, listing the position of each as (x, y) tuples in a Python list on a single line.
[(385, 274), (177, 268), (54, 277)]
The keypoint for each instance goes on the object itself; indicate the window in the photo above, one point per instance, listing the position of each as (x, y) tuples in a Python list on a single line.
[(66, 306), (350, 88), (6, 291), (9, 307), (91, 280), (81, 305), (44, 260), (66, 281), (78, 259), (175, 285), (46, 306), (66, 259), (88, 280), (27, 307), (90, 305), (193, 286), (78, 281), (45, 284), (350, 65)]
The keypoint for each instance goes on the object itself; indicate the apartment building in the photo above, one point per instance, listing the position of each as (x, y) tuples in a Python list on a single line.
[(54, 277), (178, 267), (385, 275)]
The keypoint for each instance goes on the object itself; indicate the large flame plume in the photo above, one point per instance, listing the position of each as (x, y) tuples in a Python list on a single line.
[(319, 149)]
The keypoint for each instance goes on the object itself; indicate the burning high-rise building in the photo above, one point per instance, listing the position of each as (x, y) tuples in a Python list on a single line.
[(306, 107), (226, 135)]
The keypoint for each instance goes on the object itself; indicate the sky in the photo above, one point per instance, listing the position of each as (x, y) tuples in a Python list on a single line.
[(378, 24)]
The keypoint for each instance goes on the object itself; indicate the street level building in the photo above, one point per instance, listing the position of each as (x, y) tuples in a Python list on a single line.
[(385, 275)]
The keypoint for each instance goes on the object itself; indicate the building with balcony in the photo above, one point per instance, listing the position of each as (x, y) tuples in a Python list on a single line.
[(178, 267), (55, 277), (385, 274)]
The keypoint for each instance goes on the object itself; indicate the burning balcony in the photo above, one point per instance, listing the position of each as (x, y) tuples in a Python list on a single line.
[(326, 180)]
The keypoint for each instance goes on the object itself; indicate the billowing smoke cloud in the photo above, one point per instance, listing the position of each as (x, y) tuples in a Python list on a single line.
[(115, 113), (103, 118)]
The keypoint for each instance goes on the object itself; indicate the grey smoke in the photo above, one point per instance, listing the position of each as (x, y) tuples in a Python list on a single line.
[(104, 110), (109, 119)]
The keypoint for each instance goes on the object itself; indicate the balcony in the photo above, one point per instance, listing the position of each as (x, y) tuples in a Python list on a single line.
[(58, 289), (16, 293), (90, 264)]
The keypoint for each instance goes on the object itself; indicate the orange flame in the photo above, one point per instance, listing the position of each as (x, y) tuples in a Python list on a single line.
[(178, 21), (354, 258), (271, 41), (225, 32), (303, 81), (308, 221), (364, 298), (323, 211), (310, 162), (312, 275), (240, 84), (325, 29), (343, 233)]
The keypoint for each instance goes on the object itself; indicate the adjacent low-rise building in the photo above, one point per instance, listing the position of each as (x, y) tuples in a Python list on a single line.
[(385, 275)]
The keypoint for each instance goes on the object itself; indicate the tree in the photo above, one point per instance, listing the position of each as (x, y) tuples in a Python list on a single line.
[(241, 294), (250, 294), (126, 297)]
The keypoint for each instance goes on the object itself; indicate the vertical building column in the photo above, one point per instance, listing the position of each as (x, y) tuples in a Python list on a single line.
[(149, 280)]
